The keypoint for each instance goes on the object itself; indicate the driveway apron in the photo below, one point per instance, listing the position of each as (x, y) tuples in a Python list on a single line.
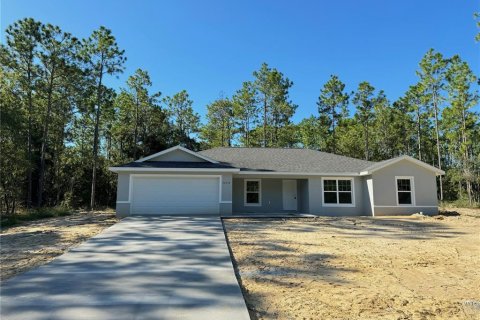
[(140, 268)]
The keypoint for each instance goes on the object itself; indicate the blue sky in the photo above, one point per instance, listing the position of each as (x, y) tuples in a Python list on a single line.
[(211, 47)]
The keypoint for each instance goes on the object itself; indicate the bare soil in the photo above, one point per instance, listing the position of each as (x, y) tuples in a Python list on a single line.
[(35, 243), (413, 267)]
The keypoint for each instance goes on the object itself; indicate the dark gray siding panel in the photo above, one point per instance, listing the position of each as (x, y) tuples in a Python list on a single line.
[(271, 197), (302, 192)]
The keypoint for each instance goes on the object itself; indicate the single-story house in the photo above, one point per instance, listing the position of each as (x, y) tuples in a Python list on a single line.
[(235, 180)]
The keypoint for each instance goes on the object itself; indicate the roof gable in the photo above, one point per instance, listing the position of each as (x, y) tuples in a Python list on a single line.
[(380, 165), (177, 154)]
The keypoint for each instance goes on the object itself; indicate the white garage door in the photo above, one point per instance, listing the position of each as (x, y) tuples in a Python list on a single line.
[(175, 195)]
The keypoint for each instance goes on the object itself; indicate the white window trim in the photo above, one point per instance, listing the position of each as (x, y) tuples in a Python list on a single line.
[(412, 190), (259, 204), (338, 204)]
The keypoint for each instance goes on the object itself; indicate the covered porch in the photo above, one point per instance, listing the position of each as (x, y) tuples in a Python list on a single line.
[(261, 195)]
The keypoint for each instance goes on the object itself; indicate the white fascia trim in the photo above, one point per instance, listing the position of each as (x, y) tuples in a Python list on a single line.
[(130, 169), (404, 157), (177, 148), (278, 173)]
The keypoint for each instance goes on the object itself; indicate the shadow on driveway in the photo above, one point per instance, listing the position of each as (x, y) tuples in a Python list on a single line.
[(141, 268)]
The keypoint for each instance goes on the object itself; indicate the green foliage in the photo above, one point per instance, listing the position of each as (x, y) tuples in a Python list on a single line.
[(476, 16), (310, 133), (392, 129), (186, 122), (13, 161), (365, 101), (332, 107), (349, 134), (245, 112), (460, 126), (272, 89), (102, 56), (130, 130), (35, 214), (219, 130)]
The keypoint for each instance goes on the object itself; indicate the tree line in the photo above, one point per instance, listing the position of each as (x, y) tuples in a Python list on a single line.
[(62, 126), (434, 121)]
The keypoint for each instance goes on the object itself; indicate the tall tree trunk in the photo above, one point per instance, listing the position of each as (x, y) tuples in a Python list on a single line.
[(247, 129), (144, 133), (275, 133), (419, 135), (366, 143), (265, 122), (222, 134), (439, 156), (466, 169), (29, 140), (109, 147), (41, 179), (95, 138), (469, 192), (334, 147), (135, 134), (58, 162), (95, 158), (229, 136)]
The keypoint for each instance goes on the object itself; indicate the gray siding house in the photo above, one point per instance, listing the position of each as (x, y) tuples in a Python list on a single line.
[(235, 180)]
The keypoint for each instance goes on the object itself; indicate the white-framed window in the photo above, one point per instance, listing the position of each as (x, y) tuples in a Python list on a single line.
[(252, 192), (405, 191), (338, 192)]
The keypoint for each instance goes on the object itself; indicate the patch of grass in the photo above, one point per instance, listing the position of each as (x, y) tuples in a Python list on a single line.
[(35, 214), (461, 203)]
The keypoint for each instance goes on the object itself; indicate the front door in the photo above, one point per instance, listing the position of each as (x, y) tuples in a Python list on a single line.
[(289, 194)]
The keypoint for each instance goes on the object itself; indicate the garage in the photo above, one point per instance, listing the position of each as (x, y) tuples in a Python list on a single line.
[(171, 195)]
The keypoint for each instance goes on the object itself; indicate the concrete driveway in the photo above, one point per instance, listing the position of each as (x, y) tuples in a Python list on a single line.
[(140, 268)]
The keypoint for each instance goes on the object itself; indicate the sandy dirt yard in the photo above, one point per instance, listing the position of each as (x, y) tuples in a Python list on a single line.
[(412, 267), (34, 243)]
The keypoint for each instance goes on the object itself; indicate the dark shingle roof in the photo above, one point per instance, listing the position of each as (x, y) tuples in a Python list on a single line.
[(286, 160), (176, 164)]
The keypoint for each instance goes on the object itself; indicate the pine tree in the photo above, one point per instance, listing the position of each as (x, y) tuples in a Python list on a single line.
[(101, 54), (432, 78), (245, 111), (332, 107), (20, 56), (460, 121), (186, 122), (364, 101), (219, 130), (56, 56), (272, 88)]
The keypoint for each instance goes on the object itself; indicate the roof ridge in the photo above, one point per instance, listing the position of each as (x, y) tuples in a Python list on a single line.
[(266, 148), (294, 148)]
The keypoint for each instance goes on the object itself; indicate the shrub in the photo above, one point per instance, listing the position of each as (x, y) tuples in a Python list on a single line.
[(35, 214)]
